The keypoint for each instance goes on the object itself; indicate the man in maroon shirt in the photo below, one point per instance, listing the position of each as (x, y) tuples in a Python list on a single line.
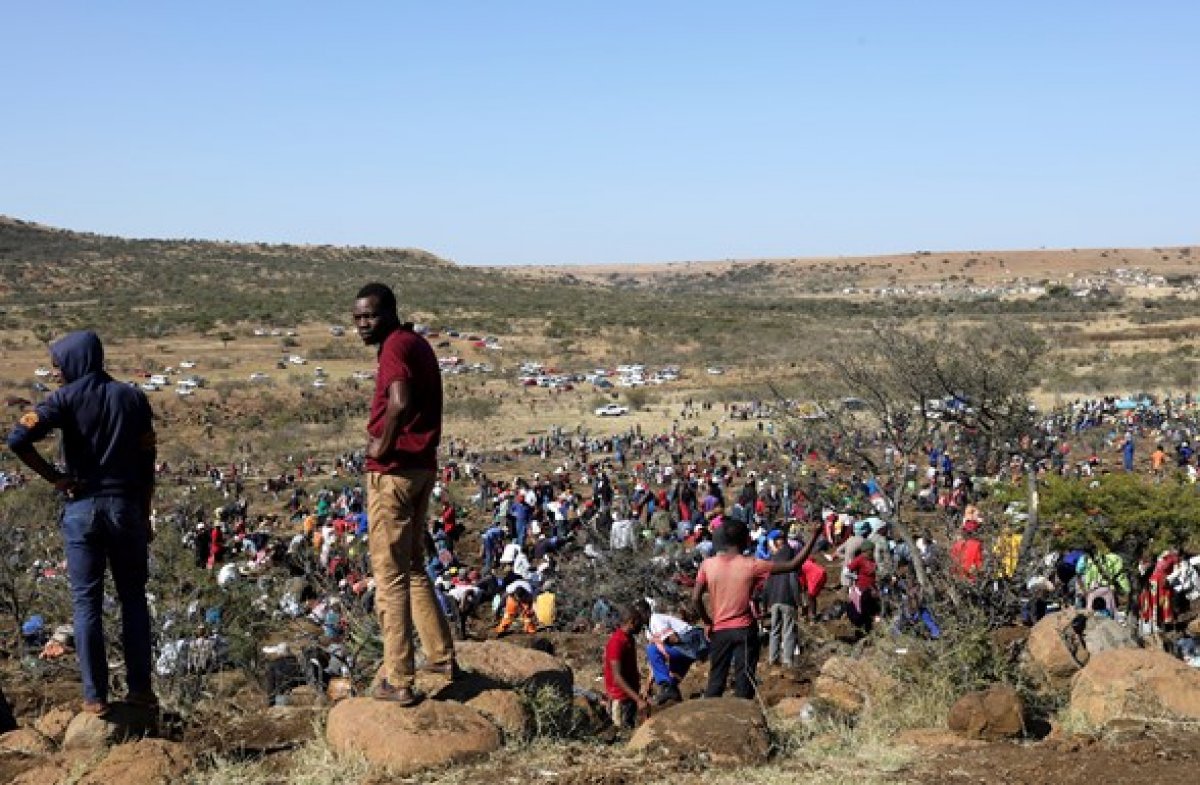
[(403, 432)]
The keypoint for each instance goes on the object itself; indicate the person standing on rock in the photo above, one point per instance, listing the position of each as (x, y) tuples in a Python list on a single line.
[(109, 449), (730, 578), (404, 430)]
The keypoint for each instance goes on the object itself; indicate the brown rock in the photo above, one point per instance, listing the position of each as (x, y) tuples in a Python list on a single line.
[(506, 710), (53, 724), (123, 722), (26, 741), (514, 667), (723, 731), (407, 740), (339, 688), (143, 762), (1193, 627), (991, 714), (850, 684), (1056, 653), (794, 709), (1136, 684)]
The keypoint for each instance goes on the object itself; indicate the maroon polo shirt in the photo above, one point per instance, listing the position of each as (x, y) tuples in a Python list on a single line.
[(408, 357)]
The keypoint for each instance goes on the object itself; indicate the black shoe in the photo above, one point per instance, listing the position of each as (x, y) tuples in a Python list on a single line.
[(668, 693)]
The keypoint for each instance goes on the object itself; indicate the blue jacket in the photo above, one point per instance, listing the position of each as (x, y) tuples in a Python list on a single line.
[(107, 427)]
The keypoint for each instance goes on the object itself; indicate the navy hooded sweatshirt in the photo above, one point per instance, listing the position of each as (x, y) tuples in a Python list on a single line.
[(107, 426)]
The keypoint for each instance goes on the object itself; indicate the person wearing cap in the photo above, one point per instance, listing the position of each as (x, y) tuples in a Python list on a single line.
[(782, 596)]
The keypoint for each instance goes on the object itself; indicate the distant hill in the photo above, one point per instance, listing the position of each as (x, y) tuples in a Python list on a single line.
[(762, 311)]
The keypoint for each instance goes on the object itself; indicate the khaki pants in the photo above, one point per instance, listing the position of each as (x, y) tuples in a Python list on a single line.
[(396, 509)]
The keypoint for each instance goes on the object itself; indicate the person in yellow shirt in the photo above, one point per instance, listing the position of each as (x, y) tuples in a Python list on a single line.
[(1007, 550), (545, 605)]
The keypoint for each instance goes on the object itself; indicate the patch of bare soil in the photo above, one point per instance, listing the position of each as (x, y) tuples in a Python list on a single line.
[(1162, 756)]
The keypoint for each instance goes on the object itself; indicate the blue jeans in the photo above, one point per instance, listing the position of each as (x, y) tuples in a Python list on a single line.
[(110, 531), (673, 662)]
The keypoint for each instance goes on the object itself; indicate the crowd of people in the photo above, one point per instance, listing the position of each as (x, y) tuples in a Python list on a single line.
[(760, 536)]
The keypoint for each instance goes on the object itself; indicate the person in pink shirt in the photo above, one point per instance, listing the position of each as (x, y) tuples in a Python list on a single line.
[(730, 578)]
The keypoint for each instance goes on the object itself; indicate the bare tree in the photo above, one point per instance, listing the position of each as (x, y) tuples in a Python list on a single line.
[(883, 396)]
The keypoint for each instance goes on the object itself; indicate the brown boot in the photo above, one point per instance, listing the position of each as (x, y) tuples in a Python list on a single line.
[(403, 696)]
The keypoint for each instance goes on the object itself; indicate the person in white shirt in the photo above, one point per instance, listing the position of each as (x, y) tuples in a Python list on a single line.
[(674, 646)]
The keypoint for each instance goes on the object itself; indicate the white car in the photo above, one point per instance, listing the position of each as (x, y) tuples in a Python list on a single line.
[(362, 376), (319, 383), (612, 410), (188, 364), (259, 376), (148, 387), (715, 371)]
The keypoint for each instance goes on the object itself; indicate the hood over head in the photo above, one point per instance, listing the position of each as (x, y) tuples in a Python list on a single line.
[(77, 354)]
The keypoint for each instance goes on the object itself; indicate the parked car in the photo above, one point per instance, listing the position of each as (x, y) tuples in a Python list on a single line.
[(612, 410)]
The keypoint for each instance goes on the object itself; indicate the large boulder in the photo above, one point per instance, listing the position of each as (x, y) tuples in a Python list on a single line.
[(849, 685), (506, 709), (406, 740), (722, 731), (514, 667), (1056, 653), (1136, 684), (144, 762), (991, 714)]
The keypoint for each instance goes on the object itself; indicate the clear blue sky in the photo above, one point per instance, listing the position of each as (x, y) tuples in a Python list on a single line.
[(516, 132)]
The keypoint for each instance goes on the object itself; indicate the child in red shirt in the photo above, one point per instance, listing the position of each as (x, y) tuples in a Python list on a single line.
[(622, 682)]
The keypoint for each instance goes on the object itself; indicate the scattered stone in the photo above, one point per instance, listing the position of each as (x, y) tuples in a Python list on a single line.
[(406, 740), (143, 762), (53, 724), (26, 741), (723, 731), (849, 685), (1136, 684), (514, 667), (992, 714)]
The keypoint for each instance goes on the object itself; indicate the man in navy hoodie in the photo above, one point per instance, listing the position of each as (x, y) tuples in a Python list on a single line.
[(108, 448)]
